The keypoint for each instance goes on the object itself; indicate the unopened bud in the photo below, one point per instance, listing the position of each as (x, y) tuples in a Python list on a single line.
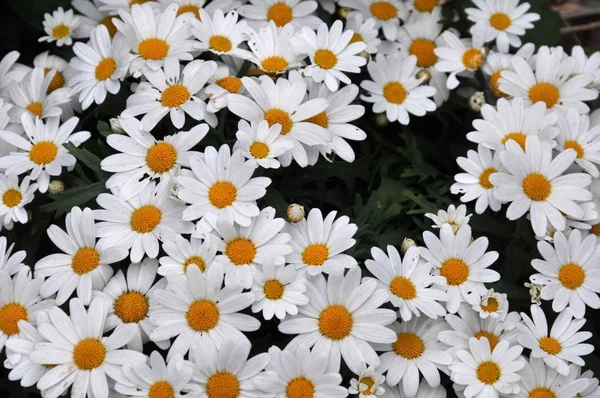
[(29, 215), (56, 186), (425, 75), (115, 126), (365, 55), (295, 212), (381, 120), (344, 11), (407, 243), (477, 101)]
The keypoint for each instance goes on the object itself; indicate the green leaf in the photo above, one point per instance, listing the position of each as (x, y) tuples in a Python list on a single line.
[(86, 157), (79, 196)]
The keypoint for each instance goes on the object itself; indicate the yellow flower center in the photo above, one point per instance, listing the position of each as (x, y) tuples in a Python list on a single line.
[(89, 354), (57, 81), (595, 229), (161, 157), (189, 8), (356, 37), (484, 178), (220, 43), (536, 187), (280, 116), (518, 137), (325, 58), (230, 83), (273, 289), (300, 387), (161, 389), (280, 13), (403, 288), (174, 96), (60, 31), (11, 198), (241, 251), (550, 345), (455, 271), (198, 261), (153, 49), (395, 93), (491, 306), (335, 322), (105, 68), (488, 372), (495, 84), (545, 92), (222, 385), (408, 345), (423, 49), (492, 338), (259, 150), (222, 194), (572, 144), (85, 260), (145, 219), (320, 119), (274, 64), (110, 26), (36, 108), (10, 315), (425, 5), (43, 152), (315, 254), (369, 382), (202, 315), (500, 21), (541, 392), (472, 58), (383, 10), (571, 276), (131, 307)]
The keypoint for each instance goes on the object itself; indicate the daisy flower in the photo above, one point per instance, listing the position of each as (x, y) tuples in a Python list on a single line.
[(157, 380), (171, 91), (513, 120), (487, 372), (140, 222), (14, 197), (222, 83), (155, 37), (114, 6), (425, 391), (331, 53), (462, 263), (456, 217), (131, 301), (387, 13), (198, 310), (575, 133), (53, 62), (343, 318), (408, 282), (42, 153), (100, 66), (278, 291), (501, 20), (459, 57), (368, 384), (475, 183), (143, 158), (424, 6), (194, 6), (395, 90), (298, 372), (586, 65), (181, 253), (568, 272), (10, 262), (318, 244), (61, 27), (551, 83), (537, 379), (245, 247), (271, 49), (262, 143), (92, 16), (559, 347), (219, 33), (222, 185), (415, 350), (592, 390), (7, 71), (493, 305), (497, 62), (533, 182), (83, 358), (364, 30), (281, 12)]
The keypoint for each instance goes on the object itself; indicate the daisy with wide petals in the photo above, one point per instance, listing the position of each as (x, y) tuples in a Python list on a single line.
[(367, 384), (92, 16), (114, 6), (281, 12), (492, 304), (365, 30), (262, 143), (593, 388), (387, 14), (181, 253), (222, 83), (194, 6), (455, 216), (343, 318), (220, 33), (10, 262), (61, 27), (537, 379), (460, 57), (49, 62), (271, 49), (575, 133), (13, 198), (586, 65)]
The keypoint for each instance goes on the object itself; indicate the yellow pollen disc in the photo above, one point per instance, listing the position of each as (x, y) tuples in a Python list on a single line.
[(403, 288), (11, 198), (220, 43), (500, 21), (519, 138), (10, 315), (495, 84), (492, 338), (222, 385), (488, 372), (161, 157), (280, 13), (241, 251), (131, 307), (189, 8), (202, 315), (595, 229), (222, 194), (145, 219), (423, 49), (300, 387), (154, 49), (484, 178), (545, 92), (408, 345), (132, 2), (541, 392), (89, 354), (57, 81), (110, 26), (273, 289), (536, 187), (161, 389), (335, 322), (394, 93), (383, 10), (571, 276), (43, 152), (274, 64), (105, 68), (326, 59), (259, 150), (455, 271), (319, 119), (576, 146), (369, 382), (280, 116), (194, 260), (229, 83), (356, 37), (85, 260), (491, 306), (425, 5), (472, 58), (36, 108), (60, 31), (315, 254), (550, 345), (174, 96)]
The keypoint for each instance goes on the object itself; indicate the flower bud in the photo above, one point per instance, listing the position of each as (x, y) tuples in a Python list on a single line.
[(56, 186), (381, 120), (295, 212), (425, 75), (115, 126), (344, 11), (477, 101), (406, 244)]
